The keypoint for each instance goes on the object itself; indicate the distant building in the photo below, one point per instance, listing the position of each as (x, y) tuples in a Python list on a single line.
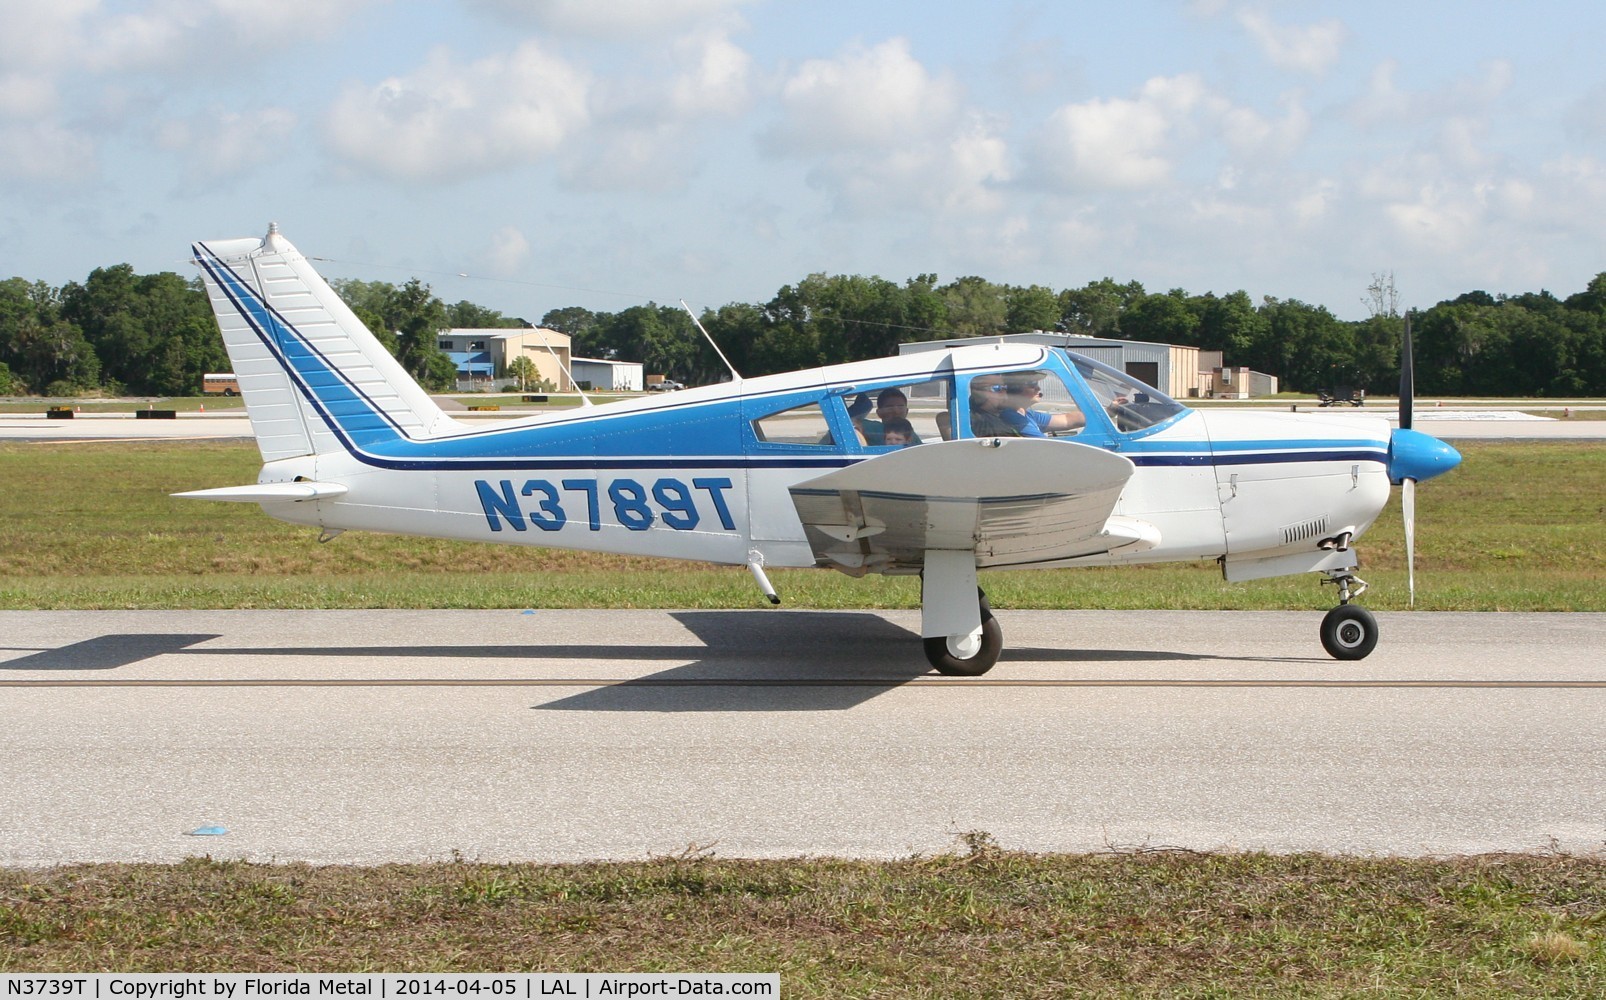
[(609, 376), (482, 356), (1241, 383)]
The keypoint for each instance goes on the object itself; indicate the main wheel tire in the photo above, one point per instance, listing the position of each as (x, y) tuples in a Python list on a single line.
[(942, 657), (1349, 632)]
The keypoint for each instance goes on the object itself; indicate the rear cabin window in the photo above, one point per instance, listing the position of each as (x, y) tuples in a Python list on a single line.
[(801, 425), (901, 416)]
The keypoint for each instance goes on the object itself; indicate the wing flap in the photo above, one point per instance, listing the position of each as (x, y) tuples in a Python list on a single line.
[(1014, 501)]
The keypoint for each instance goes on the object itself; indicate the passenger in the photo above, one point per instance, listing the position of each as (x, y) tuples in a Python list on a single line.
[(898, 433), (891, 404)]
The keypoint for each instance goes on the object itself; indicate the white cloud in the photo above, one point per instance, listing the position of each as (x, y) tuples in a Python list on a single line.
[(42, 152), (717, 79), (448, 119), (1315, 204), (38, 34), (1117, 143), (226, 143), (876, 98), (956, 175), (1249, 134), (1137, 143), (173, 36), (1384, 103), (608, 18), (644, 131), (1309, 49), (507, 252), (885, 135), (26, 96)]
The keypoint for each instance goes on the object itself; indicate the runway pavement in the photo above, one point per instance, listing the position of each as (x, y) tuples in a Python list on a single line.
[(373, 736)]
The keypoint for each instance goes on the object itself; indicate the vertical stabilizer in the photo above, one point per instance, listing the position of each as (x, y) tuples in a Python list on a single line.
[(313, 378)]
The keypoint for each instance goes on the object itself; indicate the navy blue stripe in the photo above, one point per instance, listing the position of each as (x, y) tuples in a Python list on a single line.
[(1260, 458)]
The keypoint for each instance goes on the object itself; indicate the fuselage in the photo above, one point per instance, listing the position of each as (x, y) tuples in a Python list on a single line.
[(704, 473)]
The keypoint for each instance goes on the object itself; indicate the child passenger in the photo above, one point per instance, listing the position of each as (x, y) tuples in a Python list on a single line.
[(897, 432)]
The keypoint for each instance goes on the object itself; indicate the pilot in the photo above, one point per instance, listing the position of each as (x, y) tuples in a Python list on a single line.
[(1025, 389), (989, 397)]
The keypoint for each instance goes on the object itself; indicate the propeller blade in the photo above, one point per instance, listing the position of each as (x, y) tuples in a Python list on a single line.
[(1408, 513), (1407, 376)]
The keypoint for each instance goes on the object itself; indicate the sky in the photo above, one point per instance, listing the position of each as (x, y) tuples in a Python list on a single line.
[(528, 155)]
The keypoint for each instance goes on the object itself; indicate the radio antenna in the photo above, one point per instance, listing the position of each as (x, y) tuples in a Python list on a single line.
[(584, 399), (736, 376)]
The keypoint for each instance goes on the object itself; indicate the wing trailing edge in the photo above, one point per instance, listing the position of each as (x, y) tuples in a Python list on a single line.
[(295, 492)]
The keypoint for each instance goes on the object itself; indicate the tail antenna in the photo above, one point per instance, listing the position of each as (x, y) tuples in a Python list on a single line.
[(736, 376)]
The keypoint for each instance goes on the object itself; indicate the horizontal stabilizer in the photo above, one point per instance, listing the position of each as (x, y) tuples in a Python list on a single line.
[(270, 492)]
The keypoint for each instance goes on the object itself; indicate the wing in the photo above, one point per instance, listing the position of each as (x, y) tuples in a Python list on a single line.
[(1014, 501)]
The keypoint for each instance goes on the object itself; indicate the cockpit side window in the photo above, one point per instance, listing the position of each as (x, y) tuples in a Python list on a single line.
[(1023, 404)]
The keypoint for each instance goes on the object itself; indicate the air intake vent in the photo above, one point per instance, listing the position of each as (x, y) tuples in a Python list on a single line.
[(1305, 530)]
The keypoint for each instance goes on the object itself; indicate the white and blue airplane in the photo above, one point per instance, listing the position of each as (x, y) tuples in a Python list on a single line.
[(1015, 457)]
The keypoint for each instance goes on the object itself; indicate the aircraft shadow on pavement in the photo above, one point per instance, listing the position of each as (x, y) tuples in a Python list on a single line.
[(819, 661), (107, 652), (756, 662)]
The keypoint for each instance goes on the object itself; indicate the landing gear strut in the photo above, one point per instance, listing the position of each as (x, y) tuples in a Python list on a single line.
[(1349, 631), (968, 655)]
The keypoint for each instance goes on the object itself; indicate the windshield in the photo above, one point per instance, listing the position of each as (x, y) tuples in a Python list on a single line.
[(1131, 404)]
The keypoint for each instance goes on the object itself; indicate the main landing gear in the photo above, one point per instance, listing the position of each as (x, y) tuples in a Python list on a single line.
[(968, 655), (1349, 631)]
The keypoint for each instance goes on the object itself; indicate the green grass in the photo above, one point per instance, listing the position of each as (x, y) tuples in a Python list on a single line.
[(1519, 527), (986, 923), (184, 404)]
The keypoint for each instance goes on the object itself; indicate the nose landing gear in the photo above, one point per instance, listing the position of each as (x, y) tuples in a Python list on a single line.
[(1349, 631)]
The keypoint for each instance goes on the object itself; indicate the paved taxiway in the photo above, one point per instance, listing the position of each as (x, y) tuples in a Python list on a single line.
[(370, 736)]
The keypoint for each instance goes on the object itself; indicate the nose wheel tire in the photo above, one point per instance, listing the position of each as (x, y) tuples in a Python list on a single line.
[(967, 655), (1349, 632)]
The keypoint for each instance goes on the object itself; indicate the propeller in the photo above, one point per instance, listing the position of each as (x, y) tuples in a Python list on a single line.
[(1413, 457), (1408, 484)]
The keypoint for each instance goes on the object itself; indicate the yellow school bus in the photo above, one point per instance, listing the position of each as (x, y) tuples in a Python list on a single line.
[(224, 383)]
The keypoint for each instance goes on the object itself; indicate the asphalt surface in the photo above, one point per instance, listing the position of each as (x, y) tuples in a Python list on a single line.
[(374, 736)]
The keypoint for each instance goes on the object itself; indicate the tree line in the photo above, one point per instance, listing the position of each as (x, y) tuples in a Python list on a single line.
[(119, 332)]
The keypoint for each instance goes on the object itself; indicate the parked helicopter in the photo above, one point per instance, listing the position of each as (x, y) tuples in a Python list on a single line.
[(999, 456)]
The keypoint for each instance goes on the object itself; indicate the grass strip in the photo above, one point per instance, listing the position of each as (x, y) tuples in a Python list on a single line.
[(985, 923), (1519, 527)]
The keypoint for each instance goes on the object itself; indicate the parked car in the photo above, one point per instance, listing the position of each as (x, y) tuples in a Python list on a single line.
[(667, 385)]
